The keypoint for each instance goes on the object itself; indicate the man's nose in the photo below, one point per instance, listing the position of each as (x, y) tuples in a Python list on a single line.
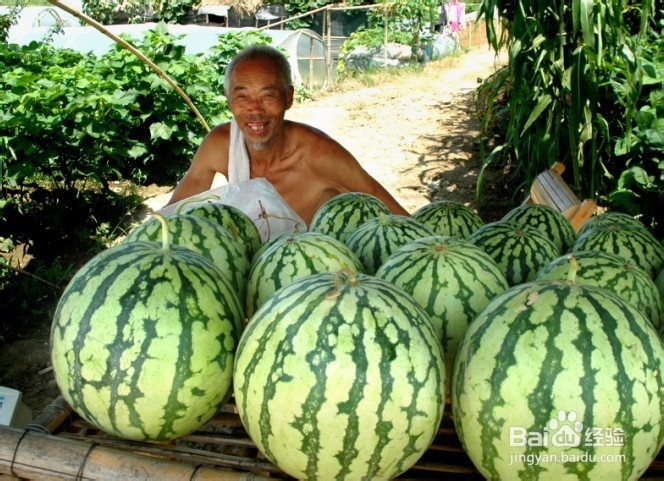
[(256, 104)]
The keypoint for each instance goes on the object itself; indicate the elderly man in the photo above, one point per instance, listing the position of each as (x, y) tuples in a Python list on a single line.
[(305, 166)]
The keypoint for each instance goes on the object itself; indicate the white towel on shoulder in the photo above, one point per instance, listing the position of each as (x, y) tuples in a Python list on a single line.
[(238, 158)]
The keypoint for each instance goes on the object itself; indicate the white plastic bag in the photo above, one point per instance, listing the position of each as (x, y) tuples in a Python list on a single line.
[(262, 203), (259, 200)]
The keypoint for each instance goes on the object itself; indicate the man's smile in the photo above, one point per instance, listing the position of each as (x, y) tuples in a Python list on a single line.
[(257, 127)]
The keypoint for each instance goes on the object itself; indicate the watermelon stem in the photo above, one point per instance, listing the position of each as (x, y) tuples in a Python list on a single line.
[(352, 280), (191, 200), (573, 268), (165, 238)]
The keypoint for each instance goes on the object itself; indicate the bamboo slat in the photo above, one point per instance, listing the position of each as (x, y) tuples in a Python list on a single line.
[(31, 455), (220, 450)]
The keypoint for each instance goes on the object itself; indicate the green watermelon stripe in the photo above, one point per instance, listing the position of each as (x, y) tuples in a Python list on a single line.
[(349, 450), (292, 258), (342, 214), (634, 244), (623, 416), (145, 283), (494, 427), (145, 269), (353, 305), (614, 273), (550, 368), (520, 251), (204, 236), (611, 313)]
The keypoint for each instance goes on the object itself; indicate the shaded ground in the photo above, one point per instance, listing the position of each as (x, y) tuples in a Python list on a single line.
[(416, 133)]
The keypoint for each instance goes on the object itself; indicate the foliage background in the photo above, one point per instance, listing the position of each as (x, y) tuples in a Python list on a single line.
[(78, 133), (584, 86)]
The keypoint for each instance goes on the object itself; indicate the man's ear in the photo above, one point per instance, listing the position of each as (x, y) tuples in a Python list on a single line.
[(290, 95)]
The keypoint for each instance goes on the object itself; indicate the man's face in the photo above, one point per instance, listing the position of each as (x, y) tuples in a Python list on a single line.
[(259, 100)]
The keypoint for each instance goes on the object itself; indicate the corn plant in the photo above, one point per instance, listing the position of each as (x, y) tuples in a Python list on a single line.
[(585, 82)]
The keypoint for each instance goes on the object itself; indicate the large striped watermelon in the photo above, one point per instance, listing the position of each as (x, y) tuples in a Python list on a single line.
[(631, 243), (548, 220), (559, 381), (293, 257), (238, 223), (377, 238), (610, 218), (451, 279), (340, 376), (611, 272), (143, 340), (205, 237), (342, 214), (519, 250), (449, 218)]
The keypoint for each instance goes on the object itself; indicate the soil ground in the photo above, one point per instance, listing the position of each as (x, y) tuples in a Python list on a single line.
[(417, 133)]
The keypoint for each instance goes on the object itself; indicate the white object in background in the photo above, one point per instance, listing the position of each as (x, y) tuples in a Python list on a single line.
[(12, 411)]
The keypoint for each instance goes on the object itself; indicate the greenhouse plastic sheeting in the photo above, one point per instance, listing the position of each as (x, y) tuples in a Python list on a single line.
[(304, 48), (29, 17)]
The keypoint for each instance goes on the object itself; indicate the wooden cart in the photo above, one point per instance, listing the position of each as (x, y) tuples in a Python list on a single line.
[(60, 445)]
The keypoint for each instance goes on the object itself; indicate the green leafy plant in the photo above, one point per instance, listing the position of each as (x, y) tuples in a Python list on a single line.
[(78, 133), (7, 20), (110, 12), (582, 76), (173, 11)]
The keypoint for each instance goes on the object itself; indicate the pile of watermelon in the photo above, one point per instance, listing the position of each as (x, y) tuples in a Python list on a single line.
[(343, 344)]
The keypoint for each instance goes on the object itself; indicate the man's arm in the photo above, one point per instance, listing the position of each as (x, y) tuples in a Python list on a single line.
[(347, 175), (210, 158), (381, 193)]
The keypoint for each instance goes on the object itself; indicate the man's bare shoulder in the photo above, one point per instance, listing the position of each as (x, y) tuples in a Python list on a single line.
[(221, 132), (212, 154), (319, 146), (299, 129)]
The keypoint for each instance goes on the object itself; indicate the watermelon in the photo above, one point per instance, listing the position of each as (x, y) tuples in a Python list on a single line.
[(342, 214), (340, 376), (205, 237), (611, 272), (519, 250), (548, 220), (238, 223), (451, 279), (559, 381), (633, 244), (270, 242), (293, 257), (377, 238), (610, 218), (143, 340), (449, 218)]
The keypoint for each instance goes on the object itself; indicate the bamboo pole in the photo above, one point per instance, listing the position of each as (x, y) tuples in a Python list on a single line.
[(26, 454), (135, 51), (52, 418), (327, 33), (385, 34)]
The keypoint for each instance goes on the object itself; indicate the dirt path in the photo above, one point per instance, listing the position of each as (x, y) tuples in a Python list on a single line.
[(417, 134)]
